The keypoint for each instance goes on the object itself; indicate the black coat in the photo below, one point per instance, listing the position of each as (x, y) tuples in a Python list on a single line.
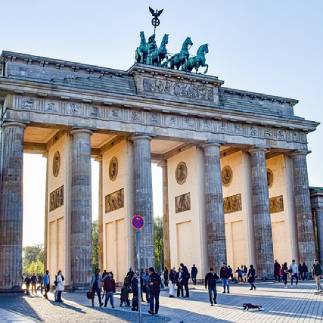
[(154, 282), (194, 272), (210, 280)]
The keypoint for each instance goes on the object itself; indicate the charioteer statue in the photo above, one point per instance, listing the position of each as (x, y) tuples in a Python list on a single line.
[(149, 53)]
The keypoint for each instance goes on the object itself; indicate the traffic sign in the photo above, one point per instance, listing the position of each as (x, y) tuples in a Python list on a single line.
[(138, 222)]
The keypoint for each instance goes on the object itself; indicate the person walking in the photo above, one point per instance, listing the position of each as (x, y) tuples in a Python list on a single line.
[(172, 282), (145, 286), (179, 283), (59, 286), (252, 277), (284, 273), (27, 283), (166, 278), (317, 273), (135, 292), (245, 272), (46, 282), (224, 275), (124, 294), (33, 280), (293, 270), (194, 272), (210, 283), (239, 273), (305, 271), (109, 286), (185, 279), (95, 286), (277, 269), (154, 288)]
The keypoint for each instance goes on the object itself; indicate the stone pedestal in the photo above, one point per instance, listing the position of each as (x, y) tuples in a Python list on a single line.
[(167, 263), (11, 212), (261, 216), (143, 197), (214, 212), (81, 209), (303, 211)]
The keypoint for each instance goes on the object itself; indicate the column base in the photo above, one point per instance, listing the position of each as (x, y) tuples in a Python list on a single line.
[(15, 289)]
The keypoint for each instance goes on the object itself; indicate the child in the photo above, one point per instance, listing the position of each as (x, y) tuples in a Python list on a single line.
[(124, 297)]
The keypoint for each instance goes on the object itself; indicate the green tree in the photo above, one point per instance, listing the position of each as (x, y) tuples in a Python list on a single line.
[(33, 259), (158, 243), (95, 245)]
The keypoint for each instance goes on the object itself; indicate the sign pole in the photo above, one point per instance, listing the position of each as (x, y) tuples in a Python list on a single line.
[(139, 278)]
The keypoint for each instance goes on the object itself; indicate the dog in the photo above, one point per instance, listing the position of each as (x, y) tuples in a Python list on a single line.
[(248, 306)]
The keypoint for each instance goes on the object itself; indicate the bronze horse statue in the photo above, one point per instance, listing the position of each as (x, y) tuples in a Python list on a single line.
[(177, 60), (142, 51), (158, 55), (198, 60)]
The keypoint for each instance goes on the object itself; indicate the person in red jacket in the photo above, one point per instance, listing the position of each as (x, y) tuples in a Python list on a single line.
[(109, 286)]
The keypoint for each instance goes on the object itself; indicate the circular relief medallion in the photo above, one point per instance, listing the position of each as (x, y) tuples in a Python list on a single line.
[(181, 173), (113, 168), (270, 177), (56, 163), (226, 175)]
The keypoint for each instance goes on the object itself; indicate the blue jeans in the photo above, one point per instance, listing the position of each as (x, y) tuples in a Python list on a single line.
[(154, 301), (109, 296), (212, 294), (226, 284)]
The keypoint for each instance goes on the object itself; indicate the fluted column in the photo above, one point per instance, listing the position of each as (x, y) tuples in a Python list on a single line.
[(11, 211), (303, 211), (81, 208), (261, 215), (100, 220), (143, 197), (167, 263), (214, 211)]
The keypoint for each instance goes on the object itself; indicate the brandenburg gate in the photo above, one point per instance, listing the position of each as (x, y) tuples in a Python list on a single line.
[(235, 183)]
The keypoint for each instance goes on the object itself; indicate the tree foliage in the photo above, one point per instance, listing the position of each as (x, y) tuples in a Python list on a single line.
[(95, 245), (33, 259), (158, 243)]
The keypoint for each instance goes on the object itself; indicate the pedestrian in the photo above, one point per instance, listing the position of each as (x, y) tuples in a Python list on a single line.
[(104, 274), (245, 272), (166, 278), (96, 285), (239, 273), (230, 272), (46, 282), (59, 286), (317, 273), (109, 286), (293, 270), (135, 292), (300, 272), (124, 294), (40, 282), (284, 273), (277, 269), (145, 287), (194, 272), (33, 280), (27, 283), (172, 282), (305, 271), (154, 288), (210, 283), (252, 277), (179, 282), (185, 278), (224, 275)]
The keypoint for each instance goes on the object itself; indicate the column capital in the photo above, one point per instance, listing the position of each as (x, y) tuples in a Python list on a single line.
[(299, 153), (14, 124), (212, 143), (76, 131), (140, 136)]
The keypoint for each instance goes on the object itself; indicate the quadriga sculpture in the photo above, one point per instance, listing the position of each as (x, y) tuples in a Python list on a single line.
[(197, 61)]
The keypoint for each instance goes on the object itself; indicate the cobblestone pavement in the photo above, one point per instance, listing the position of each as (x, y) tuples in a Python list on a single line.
[(299, 304)]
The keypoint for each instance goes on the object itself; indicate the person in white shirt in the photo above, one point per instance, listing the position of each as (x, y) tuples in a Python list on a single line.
[(293, 269), (59, 283)]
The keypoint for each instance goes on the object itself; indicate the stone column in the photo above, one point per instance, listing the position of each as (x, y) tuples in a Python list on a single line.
[(46, 217), (143, 196), (100, 220), (167, 263), (11, 212), (214, 211), (81, 209), (261, 215), (303, 211)]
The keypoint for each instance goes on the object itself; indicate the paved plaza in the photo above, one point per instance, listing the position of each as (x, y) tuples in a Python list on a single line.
[(299, 304)]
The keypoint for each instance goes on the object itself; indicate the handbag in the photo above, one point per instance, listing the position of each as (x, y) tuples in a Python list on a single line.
[(90, 294)]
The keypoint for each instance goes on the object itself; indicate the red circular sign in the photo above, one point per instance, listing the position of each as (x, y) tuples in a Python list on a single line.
[(138, 222)]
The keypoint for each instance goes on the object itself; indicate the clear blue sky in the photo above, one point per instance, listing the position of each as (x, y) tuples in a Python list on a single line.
[(273, 47)]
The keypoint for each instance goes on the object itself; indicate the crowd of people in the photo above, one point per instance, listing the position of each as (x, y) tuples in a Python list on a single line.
[(148, 283)]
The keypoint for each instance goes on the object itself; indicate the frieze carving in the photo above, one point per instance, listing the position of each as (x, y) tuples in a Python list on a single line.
[(227, 175), (56, 163), (113, 168), (232, 203), (178, 89), (56, 198), (181, 173), (114, 201), (182, 203), (276, 204)]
